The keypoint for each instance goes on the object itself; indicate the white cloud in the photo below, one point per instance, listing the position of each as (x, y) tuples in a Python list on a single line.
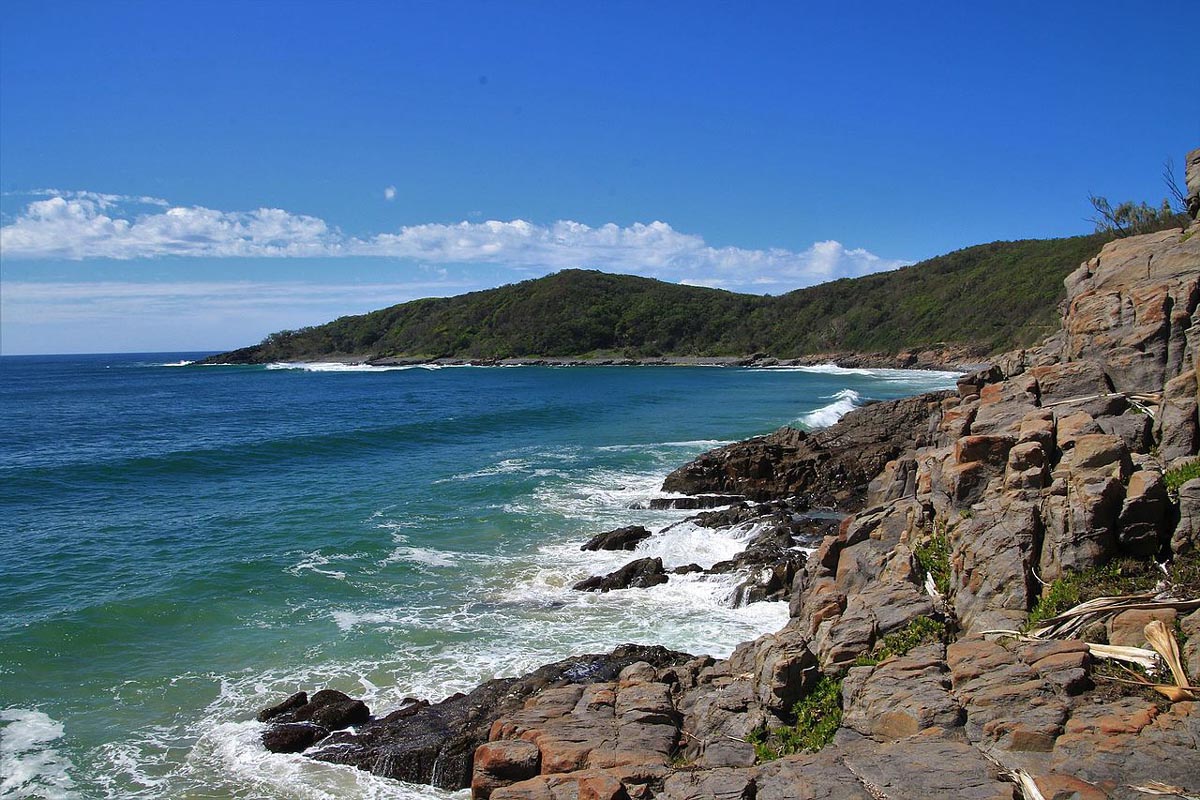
[(86, 225), (389, 193)]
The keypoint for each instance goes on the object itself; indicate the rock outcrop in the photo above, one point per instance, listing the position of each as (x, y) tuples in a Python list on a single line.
[(968, 505), (827, 468), (435, 743)]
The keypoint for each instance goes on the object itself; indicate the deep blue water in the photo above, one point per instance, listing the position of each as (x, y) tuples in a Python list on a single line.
[(181, 545)]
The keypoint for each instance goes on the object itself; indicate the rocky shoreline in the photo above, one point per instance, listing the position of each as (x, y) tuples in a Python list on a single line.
[(937, 357), (989, 619)]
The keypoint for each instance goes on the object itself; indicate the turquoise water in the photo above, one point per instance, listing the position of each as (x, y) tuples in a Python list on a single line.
[(182, 545)]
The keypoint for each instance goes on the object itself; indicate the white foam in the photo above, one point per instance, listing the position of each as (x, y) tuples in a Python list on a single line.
[(944, 377), (30, 766), (695, 444), (317, 562), (843, 403), (337, 366), (183, 363)]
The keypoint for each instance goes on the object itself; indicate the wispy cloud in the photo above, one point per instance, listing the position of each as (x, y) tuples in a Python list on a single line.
[(389, 193), (89, 225)]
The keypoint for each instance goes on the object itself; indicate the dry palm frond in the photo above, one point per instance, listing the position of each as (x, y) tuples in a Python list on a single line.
[(1164, 642), (1164, 789), (1147, 659), (1026, 785), (931, 588), (1067, 624)]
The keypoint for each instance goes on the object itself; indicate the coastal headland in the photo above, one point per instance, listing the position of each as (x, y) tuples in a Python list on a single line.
[(1007, 605)]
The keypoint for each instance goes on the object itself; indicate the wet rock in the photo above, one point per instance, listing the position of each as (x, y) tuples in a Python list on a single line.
[(695, 501), (292, 703), (436, 743), (620, 539), (828, 467), (337, 715), (292, 737), (640, 574)]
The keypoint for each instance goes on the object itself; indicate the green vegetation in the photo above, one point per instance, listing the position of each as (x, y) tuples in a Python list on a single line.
[(992, 296), (1123, 576), (1180, 475), (1130, 218), (922, 630), (818, 716), (933, 557)]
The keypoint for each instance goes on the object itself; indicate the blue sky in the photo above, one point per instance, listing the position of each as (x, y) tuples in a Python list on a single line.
[(183, 176)]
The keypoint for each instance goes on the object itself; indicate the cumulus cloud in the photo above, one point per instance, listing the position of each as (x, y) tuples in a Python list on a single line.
[(389, 193), (85, 225)]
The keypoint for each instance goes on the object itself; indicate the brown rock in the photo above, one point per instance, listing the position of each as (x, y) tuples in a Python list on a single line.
[(991, 450), (1071, 426), (501, 764), (1176, 427), (1100, 453), (1128, 628), (1145, 514), (902, 696)]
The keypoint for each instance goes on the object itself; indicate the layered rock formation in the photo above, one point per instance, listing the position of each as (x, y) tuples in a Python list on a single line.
[(1046, 464)]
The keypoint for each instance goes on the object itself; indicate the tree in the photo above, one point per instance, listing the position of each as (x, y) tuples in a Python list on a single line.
[(1130, 218)]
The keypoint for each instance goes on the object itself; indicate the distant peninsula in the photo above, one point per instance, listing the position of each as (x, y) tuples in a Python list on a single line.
[(951, 308)]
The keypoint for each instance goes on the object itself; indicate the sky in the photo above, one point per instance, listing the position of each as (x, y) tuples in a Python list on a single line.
[(191, 176)]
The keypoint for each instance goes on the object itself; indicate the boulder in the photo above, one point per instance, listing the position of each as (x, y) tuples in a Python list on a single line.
[(503, 763), (901, 696), (640, 574), (620, 539), (695, 501), (292, 737), (292, 703), (1145, 515), (992, 557), (337, 715)]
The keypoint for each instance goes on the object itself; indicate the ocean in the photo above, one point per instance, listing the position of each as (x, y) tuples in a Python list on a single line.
[(182, 545)]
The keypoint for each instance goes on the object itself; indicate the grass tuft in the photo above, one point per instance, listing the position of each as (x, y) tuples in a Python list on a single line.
[(922, 630), (818, 716), (1180, 475)]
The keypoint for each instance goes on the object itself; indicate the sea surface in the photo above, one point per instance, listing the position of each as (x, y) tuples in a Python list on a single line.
[(182, 545)]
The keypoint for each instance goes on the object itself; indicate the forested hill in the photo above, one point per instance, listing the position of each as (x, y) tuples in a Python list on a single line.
[(994, 295)]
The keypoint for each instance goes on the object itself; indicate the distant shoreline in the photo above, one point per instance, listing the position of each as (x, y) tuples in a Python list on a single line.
[(959, 359)]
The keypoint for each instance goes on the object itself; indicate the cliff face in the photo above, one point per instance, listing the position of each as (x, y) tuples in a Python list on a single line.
[(1044, 474)]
